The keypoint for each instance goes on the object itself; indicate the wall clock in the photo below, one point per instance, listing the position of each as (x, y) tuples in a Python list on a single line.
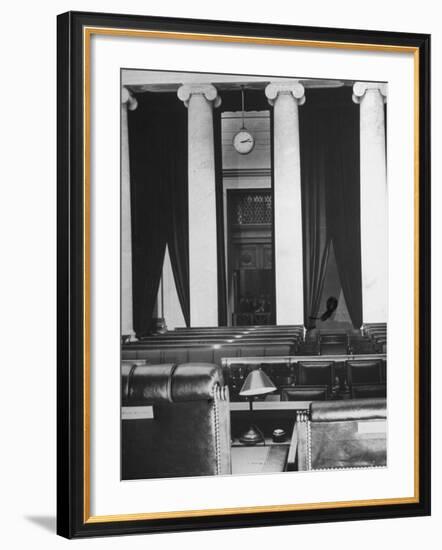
[(243, 141)]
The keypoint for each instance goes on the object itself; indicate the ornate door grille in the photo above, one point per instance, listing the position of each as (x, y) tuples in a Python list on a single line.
[(252, 208)]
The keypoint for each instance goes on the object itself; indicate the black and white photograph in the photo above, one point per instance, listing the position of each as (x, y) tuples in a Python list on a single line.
[(222, 253), (254, 274)]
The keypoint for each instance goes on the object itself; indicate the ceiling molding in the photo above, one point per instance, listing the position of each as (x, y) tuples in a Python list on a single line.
[(247, 172)]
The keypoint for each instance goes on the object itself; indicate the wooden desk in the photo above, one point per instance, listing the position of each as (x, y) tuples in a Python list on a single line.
[(237, 406), (267, 440), (259, 459), (241, 407), (274, 457)]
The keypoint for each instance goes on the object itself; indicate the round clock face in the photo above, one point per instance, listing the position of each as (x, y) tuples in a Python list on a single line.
[(243, 142)]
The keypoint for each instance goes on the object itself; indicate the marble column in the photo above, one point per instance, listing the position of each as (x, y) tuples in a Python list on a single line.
[(289, 276), (128, 102), (371, 98), (200, 99)]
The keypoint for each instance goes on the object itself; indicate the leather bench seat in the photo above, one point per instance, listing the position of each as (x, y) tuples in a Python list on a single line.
[(376, 332), (150, 355), (267, 343), (189, 434), (340, 338), (342, 434), (252, 327), (371, 326), (223, 336), (184, 354), (266, 330), (184, 340)]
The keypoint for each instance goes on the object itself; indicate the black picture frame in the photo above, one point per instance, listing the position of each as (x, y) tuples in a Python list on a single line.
[(73, 518)]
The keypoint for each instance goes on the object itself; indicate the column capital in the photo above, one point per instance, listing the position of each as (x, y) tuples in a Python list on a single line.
[(128, 99), (206, 90), (359, 89), (294, 88)]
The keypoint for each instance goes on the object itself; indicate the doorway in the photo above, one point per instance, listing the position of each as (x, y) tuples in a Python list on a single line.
[(251, 278)]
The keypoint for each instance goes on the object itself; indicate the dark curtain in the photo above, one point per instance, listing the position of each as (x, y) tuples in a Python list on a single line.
[(221, 252), (329, 146), (343, 197), (158, 168), (316, 237), (177, 206)]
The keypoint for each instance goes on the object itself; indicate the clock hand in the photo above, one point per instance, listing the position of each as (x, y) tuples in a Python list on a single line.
[(248, 140)]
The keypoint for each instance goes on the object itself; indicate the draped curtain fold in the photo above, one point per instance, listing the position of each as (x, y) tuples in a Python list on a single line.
[(159, 206), (177, 206), (316, 237)]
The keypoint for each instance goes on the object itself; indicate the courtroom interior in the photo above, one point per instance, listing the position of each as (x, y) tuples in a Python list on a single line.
[(253, 274)]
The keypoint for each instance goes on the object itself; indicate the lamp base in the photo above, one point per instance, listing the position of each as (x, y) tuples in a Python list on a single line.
[(252, 436)]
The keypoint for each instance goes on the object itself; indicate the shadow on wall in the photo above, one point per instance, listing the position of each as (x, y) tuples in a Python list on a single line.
[(48, 523)]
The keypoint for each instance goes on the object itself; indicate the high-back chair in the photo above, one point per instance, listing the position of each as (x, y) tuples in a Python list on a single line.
[(315, 373), (341, 434), (364, 371), (334, 348), (189, 434)]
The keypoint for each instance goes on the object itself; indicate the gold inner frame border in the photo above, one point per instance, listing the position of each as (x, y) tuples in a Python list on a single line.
[(88, 32)]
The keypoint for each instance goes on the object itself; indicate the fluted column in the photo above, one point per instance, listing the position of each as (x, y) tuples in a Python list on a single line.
[(289, 277), (203, 268), (371, 98), (127, 102)]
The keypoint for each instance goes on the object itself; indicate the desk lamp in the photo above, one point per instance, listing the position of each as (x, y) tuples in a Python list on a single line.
[(256, 383)]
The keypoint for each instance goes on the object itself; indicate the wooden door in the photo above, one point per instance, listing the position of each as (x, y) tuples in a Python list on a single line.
[(251, 274)]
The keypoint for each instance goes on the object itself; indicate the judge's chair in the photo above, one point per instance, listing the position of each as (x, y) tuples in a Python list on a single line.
[(318, 373), (313, 373), (185, 432), (340, 434), (366, 379)]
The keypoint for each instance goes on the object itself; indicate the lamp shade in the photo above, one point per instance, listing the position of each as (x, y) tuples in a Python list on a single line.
[(257, 383)]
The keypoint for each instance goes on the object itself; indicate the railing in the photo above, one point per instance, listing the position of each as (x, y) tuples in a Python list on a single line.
[(293, 359), (283, 371)]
